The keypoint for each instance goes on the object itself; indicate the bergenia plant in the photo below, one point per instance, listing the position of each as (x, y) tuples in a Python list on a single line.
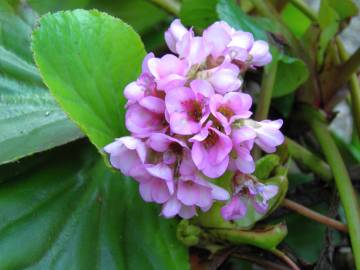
[(189, 119), (179, 134)]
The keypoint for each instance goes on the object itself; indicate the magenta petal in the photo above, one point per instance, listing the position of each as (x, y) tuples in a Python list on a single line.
[(171, 208), (239, 103), (188, 192), (240, 135), (144, 67), (160, 192), (202, 87), (160, 170), (260, 206), (134, 92), (159, 142), (187, 212), (244, 161), (145, 190), (176, 99), (181, 124), (153, 104), (198, 154), (218, 37), (219, 193), (243, 40), (235, 209), (217, 170)]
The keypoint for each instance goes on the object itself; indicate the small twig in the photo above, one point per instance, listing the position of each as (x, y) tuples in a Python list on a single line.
[(285, 258), (302, 210), (171, 6)]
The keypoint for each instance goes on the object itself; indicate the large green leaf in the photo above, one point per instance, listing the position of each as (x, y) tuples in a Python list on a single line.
[(30, 120), (86, 58), (77, 214), (291, 72)]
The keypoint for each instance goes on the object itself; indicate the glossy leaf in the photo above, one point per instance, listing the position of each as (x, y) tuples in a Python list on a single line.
[(30, 119), (76, 214), (87, 58), (291, 71), (297, 22), (200, 13)]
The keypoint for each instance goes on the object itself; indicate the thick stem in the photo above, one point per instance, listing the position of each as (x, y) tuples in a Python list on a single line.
[(263, 106), (302, 210), (171, 6), (349, 67), (342, 180), (354, 87), (310, 160), (286, 259)]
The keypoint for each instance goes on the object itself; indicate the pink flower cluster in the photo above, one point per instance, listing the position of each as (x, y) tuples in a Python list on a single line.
[(189, 120)]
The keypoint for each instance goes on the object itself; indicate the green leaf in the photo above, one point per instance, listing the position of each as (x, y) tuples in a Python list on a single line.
[(291, 72), (86, 58), (295, 20), (234, 16), (140, 14), (200, 13), (76, 214), (309, 245), (30, 120)]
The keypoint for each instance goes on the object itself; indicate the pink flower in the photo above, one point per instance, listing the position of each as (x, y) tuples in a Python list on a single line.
[(247, 192), (210, 151), (187, 109), (230, 107), (143, 86), (268, 134), (154, 189), (243, 140), (193, 49), (174, 34), (128, 155), (170, 148), (260, 55), (174, 207), (225, 78), (146, 117), (193, 190), (235, 209), (218, 36), (168, 71)]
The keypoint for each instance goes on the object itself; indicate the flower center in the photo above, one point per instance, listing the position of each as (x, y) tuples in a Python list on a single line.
[(194, 109), (227, 112), (211, 139), (176, 148)]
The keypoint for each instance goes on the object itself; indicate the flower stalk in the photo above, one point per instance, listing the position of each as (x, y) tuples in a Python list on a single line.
[(342, 180)]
